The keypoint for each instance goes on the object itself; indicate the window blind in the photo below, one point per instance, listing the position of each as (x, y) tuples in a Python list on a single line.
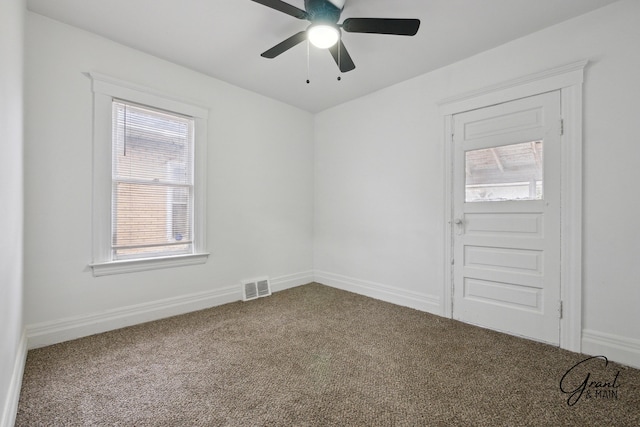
[(152, 185)]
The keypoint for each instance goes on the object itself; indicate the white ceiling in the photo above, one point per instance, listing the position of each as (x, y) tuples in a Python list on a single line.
[(224, 39)]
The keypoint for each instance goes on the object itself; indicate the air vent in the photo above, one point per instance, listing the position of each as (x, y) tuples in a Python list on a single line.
[(264, 289), (255, 289)]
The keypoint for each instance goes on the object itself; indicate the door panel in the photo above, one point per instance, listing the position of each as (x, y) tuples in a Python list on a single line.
[(513, 224), (505, 294), (506, 232), (504, 259), (504, 124)]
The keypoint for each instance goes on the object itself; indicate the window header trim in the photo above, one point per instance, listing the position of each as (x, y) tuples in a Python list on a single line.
[(145, 96)]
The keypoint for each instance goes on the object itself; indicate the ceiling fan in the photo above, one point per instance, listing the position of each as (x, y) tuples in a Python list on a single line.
[(325, 32)]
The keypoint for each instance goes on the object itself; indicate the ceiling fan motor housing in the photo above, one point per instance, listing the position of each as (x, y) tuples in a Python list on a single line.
[(322, 11)]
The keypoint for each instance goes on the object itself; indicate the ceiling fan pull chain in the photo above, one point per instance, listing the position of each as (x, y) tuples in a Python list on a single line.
[(308, 80), (339, 57)]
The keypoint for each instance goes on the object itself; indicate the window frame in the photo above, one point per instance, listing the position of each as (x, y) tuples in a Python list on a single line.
[(105, 90)]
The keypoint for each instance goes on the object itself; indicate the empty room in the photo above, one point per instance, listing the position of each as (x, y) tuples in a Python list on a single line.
[(319, 212)]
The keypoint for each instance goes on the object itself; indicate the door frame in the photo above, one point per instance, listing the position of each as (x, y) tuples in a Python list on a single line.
[(567, 79)]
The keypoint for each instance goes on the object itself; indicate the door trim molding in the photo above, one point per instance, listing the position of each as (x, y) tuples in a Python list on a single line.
[(568, 79)]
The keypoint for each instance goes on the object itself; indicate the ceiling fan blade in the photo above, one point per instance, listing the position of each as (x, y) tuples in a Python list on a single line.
[(342, 57), (285, 45), (399, 27), (283, 7)]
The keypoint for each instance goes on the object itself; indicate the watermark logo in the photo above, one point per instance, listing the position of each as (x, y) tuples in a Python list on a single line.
[(590, 379)]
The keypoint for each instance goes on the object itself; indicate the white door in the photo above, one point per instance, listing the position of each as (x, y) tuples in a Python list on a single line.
[(506, 217)]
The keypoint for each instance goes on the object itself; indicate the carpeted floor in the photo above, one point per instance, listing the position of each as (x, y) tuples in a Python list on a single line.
[(317, 356)]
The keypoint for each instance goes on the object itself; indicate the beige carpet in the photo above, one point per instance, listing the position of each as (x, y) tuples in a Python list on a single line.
[(317, 356)]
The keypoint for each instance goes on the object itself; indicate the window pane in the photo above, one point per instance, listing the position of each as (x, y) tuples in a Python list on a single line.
[(152, 183), (509, 172), (151, 252), (151, 145)]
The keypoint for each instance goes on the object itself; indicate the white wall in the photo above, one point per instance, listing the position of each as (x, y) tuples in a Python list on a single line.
[(377, 223), (11, 195), (380, 178), (259, 190)]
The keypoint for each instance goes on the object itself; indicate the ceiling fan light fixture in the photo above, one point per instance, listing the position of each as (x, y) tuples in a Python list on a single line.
[(323, 36)]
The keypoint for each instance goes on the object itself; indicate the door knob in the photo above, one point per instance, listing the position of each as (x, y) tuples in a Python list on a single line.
[(458, 222)]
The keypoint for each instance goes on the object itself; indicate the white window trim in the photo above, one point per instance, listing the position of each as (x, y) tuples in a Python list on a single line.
[(105, 89)]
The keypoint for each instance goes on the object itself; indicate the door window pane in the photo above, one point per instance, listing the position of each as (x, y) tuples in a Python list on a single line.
[(508, 172)]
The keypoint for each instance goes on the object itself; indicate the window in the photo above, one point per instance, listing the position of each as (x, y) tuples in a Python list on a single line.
[(509, 172), (149, 160), (152, 182)]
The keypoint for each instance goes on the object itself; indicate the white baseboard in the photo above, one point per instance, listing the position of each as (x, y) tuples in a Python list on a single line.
[(616, 348), (10, 406), (56, 331), (291, 281), (416, 300)]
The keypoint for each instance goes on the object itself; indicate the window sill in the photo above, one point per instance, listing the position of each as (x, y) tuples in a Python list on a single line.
[(145, 264)]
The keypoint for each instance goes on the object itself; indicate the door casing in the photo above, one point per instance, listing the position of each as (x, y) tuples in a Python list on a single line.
[(568, 79)]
